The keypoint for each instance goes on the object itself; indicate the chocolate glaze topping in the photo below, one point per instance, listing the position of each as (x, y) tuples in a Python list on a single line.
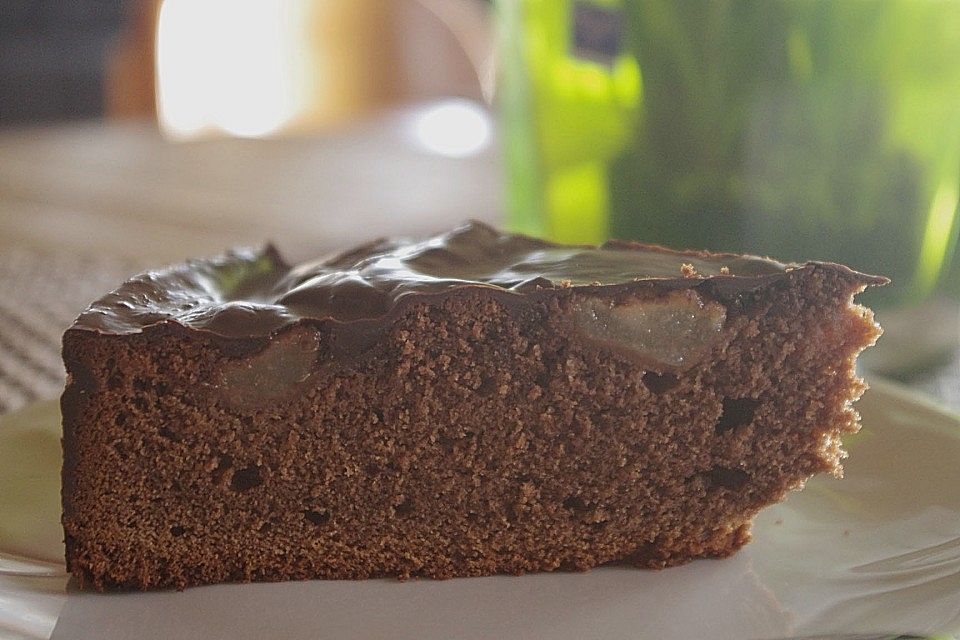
[(249, 293)]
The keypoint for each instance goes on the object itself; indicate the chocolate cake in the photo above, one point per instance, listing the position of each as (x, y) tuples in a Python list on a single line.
[(470, 404)]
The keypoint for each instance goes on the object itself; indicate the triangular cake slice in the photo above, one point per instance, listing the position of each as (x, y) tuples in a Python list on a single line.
[(470, 404)]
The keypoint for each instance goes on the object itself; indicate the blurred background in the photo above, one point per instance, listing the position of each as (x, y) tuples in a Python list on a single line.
[(163, 130), (135, 133)]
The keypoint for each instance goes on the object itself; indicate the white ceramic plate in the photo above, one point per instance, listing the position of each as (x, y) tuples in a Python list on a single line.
[(876, 552)]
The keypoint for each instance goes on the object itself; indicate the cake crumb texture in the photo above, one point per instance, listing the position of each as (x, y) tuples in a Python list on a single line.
[(472, 437)]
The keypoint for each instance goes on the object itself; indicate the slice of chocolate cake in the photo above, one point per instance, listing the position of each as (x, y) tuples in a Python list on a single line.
[(471, 404)]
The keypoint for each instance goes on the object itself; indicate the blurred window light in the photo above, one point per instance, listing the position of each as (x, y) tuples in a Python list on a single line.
[(232, 67), (454, 128)]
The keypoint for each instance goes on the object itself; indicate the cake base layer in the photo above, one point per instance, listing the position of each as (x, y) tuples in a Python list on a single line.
[(475, 436)]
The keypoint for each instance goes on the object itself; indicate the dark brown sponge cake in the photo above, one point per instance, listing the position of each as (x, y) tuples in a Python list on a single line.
[(470, 404)]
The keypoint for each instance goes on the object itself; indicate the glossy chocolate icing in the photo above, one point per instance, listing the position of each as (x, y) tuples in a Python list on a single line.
[(248, 293)]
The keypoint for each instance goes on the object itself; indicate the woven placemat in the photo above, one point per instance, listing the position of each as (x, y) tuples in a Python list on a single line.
[(40, 295)]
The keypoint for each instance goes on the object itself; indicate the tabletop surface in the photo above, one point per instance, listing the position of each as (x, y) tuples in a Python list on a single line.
[(121, 189)]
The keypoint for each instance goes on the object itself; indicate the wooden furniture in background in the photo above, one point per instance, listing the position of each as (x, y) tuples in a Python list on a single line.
[(130, 90)]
